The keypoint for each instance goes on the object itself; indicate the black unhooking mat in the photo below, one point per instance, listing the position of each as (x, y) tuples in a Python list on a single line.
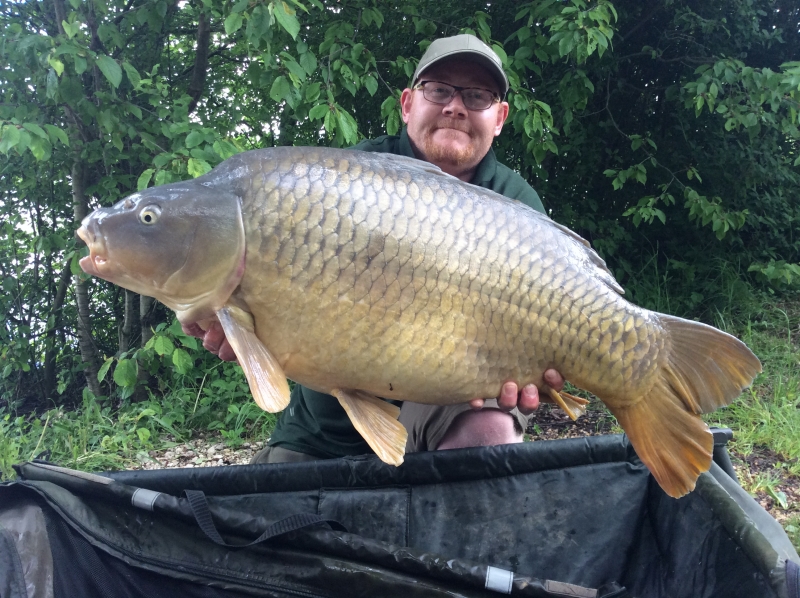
[(579, 517)]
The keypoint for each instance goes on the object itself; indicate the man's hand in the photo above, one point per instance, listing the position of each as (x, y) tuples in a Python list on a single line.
[(213, 339), (527, 400)]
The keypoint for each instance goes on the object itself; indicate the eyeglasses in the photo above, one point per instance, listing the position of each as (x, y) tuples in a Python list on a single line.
[(474, 98)]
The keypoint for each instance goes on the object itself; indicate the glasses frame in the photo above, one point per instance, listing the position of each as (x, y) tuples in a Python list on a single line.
[(456, 89)]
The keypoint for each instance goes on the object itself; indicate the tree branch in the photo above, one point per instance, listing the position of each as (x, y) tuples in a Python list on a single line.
[(643, 22), (198, 82), (61, 14)]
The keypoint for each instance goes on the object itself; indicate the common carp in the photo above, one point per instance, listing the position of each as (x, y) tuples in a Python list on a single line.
[(367, 275)]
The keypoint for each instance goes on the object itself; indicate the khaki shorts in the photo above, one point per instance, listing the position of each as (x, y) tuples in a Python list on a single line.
[(426, 425)]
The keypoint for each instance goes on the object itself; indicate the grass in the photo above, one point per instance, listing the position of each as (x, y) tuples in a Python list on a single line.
[(98, 436), (768, 414)]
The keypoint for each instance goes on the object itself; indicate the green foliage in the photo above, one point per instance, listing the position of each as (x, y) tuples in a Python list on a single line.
[(777, 274), (98, 437), (792, 527), (769, 413), (667, 136)]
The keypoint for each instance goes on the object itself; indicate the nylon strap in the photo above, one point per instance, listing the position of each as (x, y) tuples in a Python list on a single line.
[(202, 514), (793, 579)]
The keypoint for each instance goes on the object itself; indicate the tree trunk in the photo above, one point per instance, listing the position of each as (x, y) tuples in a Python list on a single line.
[(127, 331), (49, 384), (146, 322), (88, 349), (198, 83), (146, 319)]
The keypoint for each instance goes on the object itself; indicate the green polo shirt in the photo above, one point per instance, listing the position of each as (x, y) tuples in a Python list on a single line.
[(314, 423)]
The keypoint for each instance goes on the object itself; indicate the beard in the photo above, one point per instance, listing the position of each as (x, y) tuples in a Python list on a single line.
[(446, 152)]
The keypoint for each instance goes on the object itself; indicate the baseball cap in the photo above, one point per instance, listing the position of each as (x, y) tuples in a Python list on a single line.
[(468, 47)]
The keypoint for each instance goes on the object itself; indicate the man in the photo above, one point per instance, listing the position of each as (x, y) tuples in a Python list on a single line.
[(453, 110)]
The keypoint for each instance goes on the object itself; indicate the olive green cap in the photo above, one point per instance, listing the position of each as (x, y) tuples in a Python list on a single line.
[(467, 47)]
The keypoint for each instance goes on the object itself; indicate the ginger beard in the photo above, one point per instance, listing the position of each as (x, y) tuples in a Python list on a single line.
[(443, 142)]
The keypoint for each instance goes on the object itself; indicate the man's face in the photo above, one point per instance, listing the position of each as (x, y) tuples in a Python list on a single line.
[(449, 135)]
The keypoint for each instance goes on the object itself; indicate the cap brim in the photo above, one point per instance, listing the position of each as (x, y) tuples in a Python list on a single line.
[(472, 56)]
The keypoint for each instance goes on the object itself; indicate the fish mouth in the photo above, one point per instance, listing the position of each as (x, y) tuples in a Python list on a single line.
[(97, 259)]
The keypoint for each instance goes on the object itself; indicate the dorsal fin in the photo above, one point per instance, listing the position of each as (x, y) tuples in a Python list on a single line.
[(603, 273)]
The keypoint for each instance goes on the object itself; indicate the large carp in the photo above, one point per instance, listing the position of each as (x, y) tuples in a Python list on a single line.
[(367, 275)]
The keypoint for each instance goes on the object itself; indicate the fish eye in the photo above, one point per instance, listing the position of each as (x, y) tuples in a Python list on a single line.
[(150, 214)]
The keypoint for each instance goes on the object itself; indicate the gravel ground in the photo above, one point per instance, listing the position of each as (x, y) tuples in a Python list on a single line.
[(202, 452)]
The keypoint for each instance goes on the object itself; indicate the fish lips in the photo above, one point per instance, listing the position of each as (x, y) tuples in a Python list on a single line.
[(94, 264)]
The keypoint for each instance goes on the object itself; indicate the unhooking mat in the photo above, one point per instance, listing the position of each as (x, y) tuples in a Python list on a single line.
[(577, 517)]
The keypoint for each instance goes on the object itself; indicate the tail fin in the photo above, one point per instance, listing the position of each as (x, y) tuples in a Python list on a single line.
[(705, 369)]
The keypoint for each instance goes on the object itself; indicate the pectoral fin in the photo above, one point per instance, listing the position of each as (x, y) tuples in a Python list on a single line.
[(264, 374), (570, 404), (376, 421)]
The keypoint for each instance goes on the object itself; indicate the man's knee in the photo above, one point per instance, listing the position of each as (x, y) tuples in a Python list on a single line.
[(486, 427)]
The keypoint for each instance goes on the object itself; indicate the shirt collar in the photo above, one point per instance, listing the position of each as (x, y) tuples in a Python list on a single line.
[(484, 172)]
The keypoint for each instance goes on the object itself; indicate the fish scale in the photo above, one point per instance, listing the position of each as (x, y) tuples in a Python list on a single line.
[(367, 275), (378, 207)]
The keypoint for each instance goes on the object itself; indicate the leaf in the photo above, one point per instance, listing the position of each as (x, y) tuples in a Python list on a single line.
[(40, 148), (144, 179), (194, 139), (319, 111), (80, 64), (308, 61), (284, 14), (74, 264), (35, 129), (51, 84), (393, 123), (233, 23), (110, 68), (56, 133), (143, 434), (9, 138), (198, 167), (388, 106), (101, 374), (187, 341), (163, 346), (280, 89), (125, 372), (348, 126), (565, 45), (501, 53), (371, 83), (312, 92), (135, 110), (225, 149), (57, 65), (71, 29), (183, 363), (295, 69), (133, 74)]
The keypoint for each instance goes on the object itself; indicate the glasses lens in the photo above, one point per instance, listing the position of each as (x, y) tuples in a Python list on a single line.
[(473, 97), (439, 93), (477, 99)]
